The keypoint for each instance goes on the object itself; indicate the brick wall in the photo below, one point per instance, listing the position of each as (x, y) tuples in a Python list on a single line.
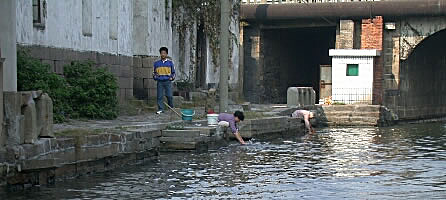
[(144, 87), (118, 65), (372, 33), (372, 38)]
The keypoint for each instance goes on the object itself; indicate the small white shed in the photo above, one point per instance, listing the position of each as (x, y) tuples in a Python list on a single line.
[(352, 75)]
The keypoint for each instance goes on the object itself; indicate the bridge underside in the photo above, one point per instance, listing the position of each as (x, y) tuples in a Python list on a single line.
[(287, 58), (409, 76), (422, 88)]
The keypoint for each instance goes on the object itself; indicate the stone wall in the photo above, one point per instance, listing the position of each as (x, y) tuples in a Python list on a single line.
[(345, 34), (28, 117), (413, 67), (118, 65), (144, 86), (422, 91), (49, 159), (2, 132)]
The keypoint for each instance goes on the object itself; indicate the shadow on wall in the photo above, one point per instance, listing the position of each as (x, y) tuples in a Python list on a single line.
[(423, 80)]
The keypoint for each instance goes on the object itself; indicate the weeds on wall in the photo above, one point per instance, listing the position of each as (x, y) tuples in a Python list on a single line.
[(85, 92), (206, 12)]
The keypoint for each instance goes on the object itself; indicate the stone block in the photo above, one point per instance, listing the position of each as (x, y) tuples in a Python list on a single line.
[(38, 164), (126, 71), (300, 96), (137, 62), (147, 62), (142, 72), (129, 93), (204, 131), (140, 93), (40, 52), (138, 83), (146, 133), (65, 143), (125, 82), (30, 122), (3, 136), (178, 145), (151, 92), (56, 54), (44, 112), (115, 60), (181, 133), (59, 66), (103, 58), (125, 60), (149, 83), (13, 118), (197, 95), (184, 139), (178, 101), (114, 69)]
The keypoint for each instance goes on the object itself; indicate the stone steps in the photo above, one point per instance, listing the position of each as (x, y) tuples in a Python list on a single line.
[(352, 115), (346, 119), (356, 108), (350, 124)]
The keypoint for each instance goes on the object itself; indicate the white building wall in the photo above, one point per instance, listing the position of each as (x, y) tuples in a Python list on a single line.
[(63, 26), (352, 89), (212, 74), (8, 44)]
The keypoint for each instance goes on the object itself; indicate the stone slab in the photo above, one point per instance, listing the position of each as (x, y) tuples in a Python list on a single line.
[(181, 133), (300, 96), (137, 62), (184, 139), (44, 109), (168, 146), (30, 121)]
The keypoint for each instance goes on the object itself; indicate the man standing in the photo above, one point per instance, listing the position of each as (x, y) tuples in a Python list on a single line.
[(230, 120), (164, 74)]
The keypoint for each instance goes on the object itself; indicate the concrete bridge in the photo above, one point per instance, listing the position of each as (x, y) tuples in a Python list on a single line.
[(286, 44)]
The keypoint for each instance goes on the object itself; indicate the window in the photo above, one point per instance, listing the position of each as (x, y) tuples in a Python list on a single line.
[(87, 18), (352, 70), (37, 12), (113, 24)]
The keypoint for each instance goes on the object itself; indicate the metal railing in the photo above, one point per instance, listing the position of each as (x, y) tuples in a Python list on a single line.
[(352, 95), (296, 1)]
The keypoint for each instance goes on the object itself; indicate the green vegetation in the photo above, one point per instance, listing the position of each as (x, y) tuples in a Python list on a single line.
[(85, 92), (33, 75), (93, 92)]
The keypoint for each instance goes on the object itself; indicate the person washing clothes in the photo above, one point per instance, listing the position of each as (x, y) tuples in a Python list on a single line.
[(306, 116), (231, 120)]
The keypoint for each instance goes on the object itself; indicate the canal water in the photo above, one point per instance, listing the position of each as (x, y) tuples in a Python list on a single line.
[(407, 162)]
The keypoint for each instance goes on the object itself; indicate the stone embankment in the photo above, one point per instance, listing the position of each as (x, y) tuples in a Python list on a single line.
[(51, 159)]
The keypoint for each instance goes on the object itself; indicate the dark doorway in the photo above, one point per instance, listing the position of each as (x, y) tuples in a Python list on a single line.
[(292, 58), (200, 81)]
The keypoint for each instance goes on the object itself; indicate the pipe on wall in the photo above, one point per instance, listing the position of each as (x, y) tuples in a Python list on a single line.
[(394, 8)]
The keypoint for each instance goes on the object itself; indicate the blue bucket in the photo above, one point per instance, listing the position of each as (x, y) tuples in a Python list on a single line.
[(187, 114)]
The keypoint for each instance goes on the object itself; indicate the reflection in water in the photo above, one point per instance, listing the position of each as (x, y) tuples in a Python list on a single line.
[(353, 163)]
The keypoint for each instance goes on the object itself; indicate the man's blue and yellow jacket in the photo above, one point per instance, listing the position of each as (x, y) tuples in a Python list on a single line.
[(163, 70)]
